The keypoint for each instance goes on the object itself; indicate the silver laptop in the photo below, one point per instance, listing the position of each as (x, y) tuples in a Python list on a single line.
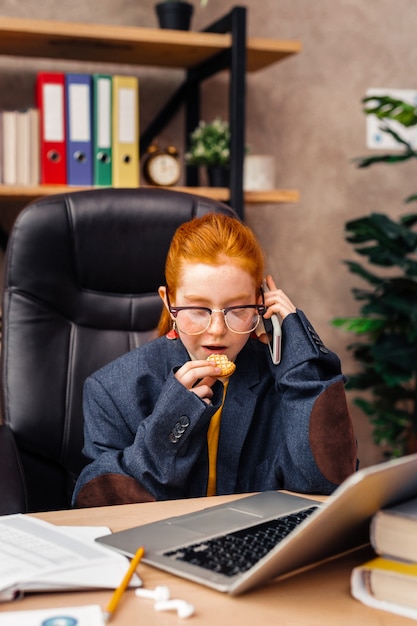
[(214, 546)]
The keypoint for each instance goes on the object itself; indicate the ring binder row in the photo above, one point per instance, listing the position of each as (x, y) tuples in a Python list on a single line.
[(84, 131)]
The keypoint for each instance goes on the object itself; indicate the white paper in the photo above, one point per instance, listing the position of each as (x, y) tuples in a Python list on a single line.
[(38, 556), (127, 113), (89, 615), (53, 98), (86, 532), (103, 110), (79, 112)]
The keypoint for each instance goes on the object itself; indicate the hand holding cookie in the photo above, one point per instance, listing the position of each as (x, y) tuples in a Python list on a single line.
[(227, 367)]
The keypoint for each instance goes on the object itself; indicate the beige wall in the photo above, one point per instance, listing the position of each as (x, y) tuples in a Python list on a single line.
[(306, 111)]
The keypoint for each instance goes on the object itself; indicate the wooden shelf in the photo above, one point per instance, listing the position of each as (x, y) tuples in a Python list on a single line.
[(27, 194), (130, 45), (138, 46)]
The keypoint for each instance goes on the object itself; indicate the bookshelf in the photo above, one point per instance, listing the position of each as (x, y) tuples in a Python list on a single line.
[(26, 194), (130, 45), (223, 45)]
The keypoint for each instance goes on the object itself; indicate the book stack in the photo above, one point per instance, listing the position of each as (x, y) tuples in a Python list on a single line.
[(389, 581), (19, 132), (84, 131)]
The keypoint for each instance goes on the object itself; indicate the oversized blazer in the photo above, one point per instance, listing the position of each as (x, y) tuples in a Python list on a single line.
[(284, 426)]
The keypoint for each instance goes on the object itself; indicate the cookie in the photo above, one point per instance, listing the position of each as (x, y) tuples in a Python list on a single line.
[(221, 360)]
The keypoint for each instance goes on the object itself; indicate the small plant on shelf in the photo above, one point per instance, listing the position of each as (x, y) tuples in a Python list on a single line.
[(210, 144)]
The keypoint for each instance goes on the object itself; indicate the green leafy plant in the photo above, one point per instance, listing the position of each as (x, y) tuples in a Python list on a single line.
[(386, 326), (387, 108), (210, 144)]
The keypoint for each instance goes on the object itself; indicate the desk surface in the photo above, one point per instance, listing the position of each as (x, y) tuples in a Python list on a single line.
[(319, 596)]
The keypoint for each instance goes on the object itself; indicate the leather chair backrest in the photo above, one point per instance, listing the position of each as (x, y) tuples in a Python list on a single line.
[(81, 275)]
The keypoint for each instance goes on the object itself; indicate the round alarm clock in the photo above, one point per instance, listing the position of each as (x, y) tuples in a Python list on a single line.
[(162, 166)]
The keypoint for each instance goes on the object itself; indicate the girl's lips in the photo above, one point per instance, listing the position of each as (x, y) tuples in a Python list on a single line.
[(214, 349)]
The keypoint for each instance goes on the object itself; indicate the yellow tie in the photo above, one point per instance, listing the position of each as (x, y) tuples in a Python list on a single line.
[(213, 444)]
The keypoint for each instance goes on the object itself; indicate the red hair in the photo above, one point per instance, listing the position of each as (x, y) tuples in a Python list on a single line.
[(210, 239)]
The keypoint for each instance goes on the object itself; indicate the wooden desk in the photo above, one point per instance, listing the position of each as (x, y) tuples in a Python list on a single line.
[(319, 596)]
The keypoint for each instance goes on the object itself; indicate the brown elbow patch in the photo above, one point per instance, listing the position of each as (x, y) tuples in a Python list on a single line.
[(332, 438), (110, 489)]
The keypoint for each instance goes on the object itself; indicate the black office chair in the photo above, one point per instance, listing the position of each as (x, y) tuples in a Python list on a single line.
[(82, 271)]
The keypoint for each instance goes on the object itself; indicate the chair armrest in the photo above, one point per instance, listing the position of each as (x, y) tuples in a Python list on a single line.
[(12, 483)]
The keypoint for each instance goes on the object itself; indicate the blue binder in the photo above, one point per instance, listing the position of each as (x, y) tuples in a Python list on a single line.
[(78, 95)]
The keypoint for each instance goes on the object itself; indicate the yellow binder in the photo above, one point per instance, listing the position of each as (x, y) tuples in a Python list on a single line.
[(125, 133)]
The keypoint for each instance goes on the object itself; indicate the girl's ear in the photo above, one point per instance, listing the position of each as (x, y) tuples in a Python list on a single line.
[(162, 291)]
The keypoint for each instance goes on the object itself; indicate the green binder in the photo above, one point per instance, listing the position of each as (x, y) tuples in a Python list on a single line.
[(102, 119)]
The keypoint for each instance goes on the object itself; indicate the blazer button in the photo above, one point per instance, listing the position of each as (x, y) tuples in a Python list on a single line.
[(184, 421)]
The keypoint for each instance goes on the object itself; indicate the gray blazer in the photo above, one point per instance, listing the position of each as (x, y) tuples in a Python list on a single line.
[(283, 426)]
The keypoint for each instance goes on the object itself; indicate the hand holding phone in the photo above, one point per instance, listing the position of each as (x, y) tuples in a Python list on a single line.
[(274, 334)]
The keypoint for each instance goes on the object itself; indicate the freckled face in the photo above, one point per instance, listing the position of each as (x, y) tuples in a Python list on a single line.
[(215, 287)]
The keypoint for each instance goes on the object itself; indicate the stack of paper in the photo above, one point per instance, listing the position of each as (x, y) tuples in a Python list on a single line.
[(37, 556), (89, 615)]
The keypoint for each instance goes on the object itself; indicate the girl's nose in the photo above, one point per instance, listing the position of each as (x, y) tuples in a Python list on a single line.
[(217, 323)]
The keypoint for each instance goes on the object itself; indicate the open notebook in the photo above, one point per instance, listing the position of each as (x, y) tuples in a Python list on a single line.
[(215, 546), (37, 556)]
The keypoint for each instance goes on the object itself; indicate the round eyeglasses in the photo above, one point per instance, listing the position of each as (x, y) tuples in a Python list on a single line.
[(194, 320)]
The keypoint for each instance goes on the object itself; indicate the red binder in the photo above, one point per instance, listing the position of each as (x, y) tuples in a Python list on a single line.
[(50, 99)]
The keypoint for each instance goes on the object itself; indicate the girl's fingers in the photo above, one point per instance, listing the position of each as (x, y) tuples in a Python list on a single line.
[(192, 372)]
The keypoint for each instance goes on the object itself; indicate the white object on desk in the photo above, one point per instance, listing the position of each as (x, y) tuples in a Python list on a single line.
[(161, 592), (89, 615), (184, 609)]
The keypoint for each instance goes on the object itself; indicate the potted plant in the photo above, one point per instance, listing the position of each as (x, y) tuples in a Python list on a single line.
[(175, 14), (210, 147), (386, 326)]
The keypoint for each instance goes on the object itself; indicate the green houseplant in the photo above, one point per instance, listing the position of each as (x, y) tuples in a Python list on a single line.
[(386, 326), (210, 147)]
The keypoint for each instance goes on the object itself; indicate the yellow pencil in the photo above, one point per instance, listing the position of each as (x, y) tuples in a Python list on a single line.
[(115, 599)]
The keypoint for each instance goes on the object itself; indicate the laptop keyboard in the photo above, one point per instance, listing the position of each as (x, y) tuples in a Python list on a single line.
[(238, 551)]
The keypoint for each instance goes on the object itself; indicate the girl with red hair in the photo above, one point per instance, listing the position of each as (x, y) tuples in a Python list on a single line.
[(162, 423)]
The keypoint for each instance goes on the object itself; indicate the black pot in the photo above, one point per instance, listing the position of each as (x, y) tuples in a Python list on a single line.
[(174, 15), (218, 176)]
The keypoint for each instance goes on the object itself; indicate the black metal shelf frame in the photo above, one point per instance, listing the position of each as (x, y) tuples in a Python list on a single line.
[(188, 94)]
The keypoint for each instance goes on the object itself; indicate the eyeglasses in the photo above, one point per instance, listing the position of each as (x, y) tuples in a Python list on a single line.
[(194, 320)]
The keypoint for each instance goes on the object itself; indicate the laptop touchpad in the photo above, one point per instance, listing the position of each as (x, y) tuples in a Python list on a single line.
[(217, 521)]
